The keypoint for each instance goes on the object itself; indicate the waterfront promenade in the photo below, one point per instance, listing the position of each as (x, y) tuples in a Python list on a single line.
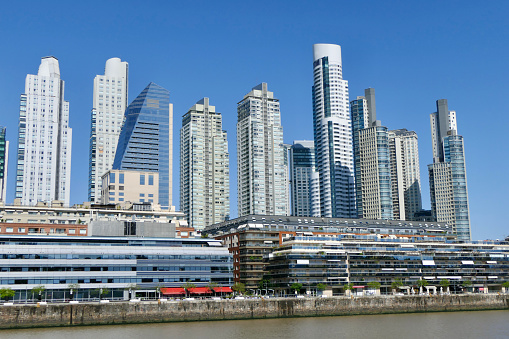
[(95, 313)]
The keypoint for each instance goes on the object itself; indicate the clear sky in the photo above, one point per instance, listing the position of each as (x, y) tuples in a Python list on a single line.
[(412, 53)]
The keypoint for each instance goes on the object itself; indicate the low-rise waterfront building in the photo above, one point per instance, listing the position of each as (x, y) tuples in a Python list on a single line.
[(118, 265), (357, 262), (250, 238)]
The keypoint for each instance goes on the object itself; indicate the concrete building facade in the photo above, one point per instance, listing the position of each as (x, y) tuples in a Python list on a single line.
[(134, 186), (405, 174), (332, 133), (261, 167), (109, 104), (43, 170), (204, 166)]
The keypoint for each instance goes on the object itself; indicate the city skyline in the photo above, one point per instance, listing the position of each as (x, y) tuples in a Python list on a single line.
[(399, 55)]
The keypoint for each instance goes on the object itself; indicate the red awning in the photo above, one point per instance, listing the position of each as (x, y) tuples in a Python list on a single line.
[(200, 290), (223, 290), (172, 291), (358, 286)]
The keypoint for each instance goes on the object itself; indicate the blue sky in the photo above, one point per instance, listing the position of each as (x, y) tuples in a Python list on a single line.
[(412, 53)]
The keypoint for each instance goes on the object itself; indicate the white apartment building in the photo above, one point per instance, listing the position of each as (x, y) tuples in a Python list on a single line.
[(405, 174), (333, 134), (44, 141), (261, 160), (109, 105), (204, 166)]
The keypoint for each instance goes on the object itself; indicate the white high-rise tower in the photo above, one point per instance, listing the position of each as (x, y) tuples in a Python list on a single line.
[(204, 166), (109, 105), (44, 139), (333, 134), (261, 155)]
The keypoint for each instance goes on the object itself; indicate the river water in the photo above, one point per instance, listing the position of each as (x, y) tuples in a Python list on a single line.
[(479, 324)]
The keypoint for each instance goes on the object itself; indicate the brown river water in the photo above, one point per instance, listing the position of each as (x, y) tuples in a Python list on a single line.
[(475, 324)]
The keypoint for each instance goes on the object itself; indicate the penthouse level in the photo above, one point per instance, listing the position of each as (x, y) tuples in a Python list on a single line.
[(402, 262), (113, 264), (342, 225)]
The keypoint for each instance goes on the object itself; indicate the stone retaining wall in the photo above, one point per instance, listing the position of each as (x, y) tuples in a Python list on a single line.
[(18, 316)]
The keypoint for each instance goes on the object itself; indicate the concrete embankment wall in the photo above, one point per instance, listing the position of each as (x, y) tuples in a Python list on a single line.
[(18, 316)]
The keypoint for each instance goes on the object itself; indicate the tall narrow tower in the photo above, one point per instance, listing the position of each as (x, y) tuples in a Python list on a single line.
[(405, 174), (333, 133), (204, 166), (44, 139), (110, 102), (4, 162), (302, 167), (261, 166), (447, 174), (372, 162), (146, 139)]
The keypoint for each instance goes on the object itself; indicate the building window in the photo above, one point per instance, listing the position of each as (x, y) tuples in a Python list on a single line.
[(151, 179), (9, 230), (142, 195), (83, 231), (142, 179), (112, 178), (121, 178), (71, 231), (21, 230)]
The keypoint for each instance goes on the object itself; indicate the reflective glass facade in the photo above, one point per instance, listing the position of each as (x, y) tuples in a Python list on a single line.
[(146, 138), (4, 156), (302, 165)]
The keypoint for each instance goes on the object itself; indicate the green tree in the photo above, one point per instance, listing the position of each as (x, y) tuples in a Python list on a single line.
[(321, 287), (38, 290), (444, 283), (239, 287), (187, 286), (396, 284), (212, 287), (348, 287), (296, 287), (466, 284), (422, 283), (73, 288), (374, 285), (6, 293), (505, 284), (102, 291)]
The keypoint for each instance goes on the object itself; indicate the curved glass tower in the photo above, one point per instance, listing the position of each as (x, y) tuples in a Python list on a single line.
[(146, 139)]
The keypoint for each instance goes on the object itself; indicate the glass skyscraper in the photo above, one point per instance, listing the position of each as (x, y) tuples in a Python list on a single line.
[(447, 174), (372, 160), (302, 167), (146, 139)]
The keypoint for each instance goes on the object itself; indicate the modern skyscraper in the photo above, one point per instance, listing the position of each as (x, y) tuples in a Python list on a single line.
[(447, 174), (110, 102), (146, 139), (302, 167), (204, 167), (372, 160), (261, 167), (405, 174), (44, 139), (4, 162), (333, 134)]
